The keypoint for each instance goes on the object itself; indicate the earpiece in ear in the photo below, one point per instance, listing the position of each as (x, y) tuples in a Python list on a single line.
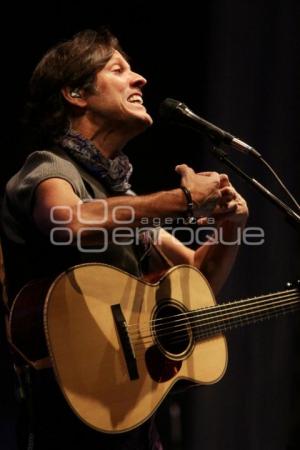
[(75, 93)]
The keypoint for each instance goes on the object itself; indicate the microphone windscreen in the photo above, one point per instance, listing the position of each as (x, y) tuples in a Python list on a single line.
[(168, 109)]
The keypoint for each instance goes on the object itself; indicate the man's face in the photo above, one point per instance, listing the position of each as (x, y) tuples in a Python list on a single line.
[(118, 96)]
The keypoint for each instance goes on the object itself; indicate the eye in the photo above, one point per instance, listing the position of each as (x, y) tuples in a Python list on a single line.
[(117, 69)]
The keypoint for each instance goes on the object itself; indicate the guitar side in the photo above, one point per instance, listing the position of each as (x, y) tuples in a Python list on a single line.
[(87, 350)]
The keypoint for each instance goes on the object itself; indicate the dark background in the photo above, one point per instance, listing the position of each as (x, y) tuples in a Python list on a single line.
[(236, 63)]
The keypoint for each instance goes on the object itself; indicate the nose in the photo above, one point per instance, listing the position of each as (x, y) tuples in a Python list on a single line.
[(137, 80)]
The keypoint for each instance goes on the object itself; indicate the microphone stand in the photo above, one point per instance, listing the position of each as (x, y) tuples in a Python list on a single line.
[(291, 216)]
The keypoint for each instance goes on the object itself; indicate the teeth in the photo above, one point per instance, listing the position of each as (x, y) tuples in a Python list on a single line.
[(135, 98)]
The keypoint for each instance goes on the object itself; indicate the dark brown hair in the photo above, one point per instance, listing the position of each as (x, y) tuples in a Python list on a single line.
[(74, 64)]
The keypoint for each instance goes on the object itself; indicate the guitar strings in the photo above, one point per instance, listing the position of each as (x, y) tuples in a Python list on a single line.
[(191, 324), (207, 315), (173, 341), (208, 310), (210, 307), (208, 318), (225, 321), (140, 350), (218, 311), (218, 328)]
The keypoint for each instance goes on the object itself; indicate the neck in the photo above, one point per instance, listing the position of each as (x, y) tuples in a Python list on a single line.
[(219, 318), (107, 139)]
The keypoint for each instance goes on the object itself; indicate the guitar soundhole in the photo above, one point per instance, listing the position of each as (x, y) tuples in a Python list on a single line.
[(160, 367), (171, 330)]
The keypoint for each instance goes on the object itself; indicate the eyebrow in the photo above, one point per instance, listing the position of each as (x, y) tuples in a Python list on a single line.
[(118, 60)]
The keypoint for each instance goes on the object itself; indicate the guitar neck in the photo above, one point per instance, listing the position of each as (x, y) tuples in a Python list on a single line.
[(220, 318)]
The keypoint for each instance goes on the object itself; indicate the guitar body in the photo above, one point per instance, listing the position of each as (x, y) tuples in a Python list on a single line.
[(111, 383), (25, 331), (118, 344)]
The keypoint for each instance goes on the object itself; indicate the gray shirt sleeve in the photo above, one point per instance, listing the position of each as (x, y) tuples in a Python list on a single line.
[(38, 167)]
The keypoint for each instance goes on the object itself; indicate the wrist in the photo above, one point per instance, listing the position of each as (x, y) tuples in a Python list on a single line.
[(189, 212)]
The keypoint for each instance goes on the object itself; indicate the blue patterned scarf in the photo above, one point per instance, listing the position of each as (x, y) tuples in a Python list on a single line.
[(114, 173)]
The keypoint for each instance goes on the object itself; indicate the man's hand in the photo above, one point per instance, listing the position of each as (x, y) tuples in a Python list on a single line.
[(231, 206), (204, 188)]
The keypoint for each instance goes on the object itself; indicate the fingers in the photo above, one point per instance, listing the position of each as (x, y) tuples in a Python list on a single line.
[(227, 194), (188, 175), (214, 177), (228, 207), (212, 193), (206, 174), (213, 196), (229, 201), (228, 190), (210, 174), (184, 170), (224, 180)]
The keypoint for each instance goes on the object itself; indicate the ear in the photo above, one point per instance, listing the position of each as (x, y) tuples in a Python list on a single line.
[(74, 96)]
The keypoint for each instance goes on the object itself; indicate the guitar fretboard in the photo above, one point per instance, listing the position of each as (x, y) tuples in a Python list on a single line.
[(214, 320)]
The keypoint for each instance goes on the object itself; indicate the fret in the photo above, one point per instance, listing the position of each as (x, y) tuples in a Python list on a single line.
[(210, 321)]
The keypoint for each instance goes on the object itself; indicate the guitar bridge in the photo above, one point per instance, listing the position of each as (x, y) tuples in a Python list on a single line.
[(125, 341)]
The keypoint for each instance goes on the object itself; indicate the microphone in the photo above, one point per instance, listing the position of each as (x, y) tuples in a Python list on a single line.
[(177, 112)]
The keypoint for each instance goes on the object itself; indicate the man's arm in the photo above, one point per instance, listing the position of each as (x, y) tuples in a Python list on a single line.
[(57, 196), (214, 259), (56, 202)]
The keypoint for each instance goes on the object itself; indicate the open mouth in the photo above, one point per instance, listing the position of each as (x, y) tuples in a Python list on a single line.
[(135, 98)]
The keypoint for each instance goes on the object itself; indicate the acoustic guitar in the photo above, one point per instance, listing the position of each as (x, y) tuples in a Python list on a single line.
[(118, 344)]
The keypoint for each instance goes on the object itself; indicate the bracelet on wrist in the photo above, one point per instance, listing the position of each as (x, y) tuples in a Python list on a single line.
[(189, 217)]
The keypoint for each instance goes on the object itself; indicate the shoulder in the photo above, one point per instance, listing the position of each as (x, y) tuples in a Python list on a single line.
[(46, 161), (42, 165), (39, 167)]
